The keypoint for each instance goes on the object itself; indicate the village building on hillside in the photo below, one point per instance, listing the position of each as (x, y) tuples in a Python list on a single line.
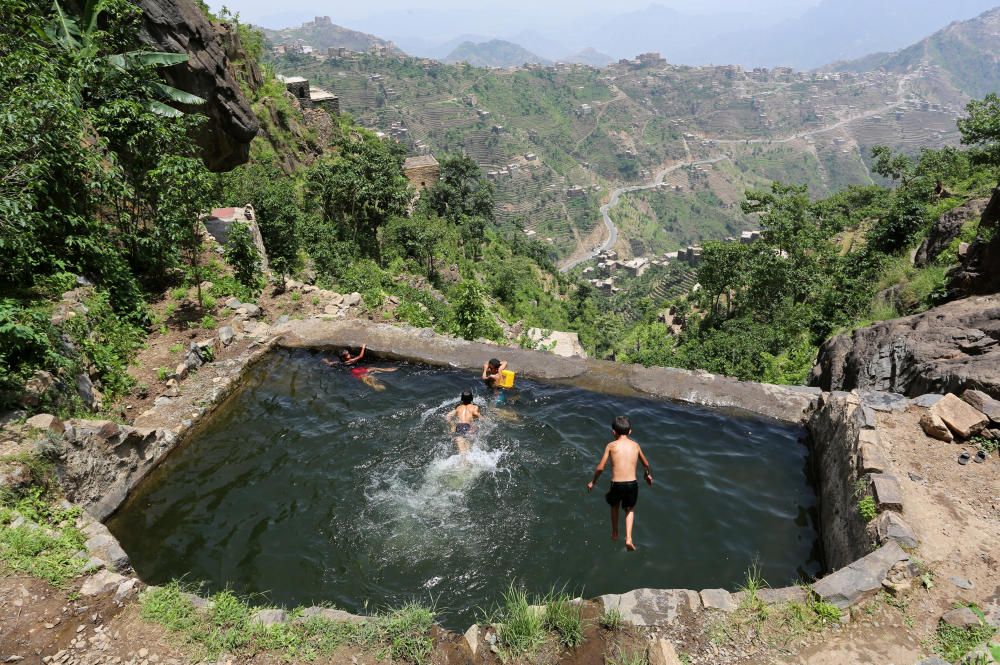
[(309, 96), (422, 171)]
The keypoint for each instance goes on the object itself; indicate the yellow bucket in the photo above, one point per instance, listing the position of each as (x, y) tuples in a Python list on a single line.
[(506, 379)]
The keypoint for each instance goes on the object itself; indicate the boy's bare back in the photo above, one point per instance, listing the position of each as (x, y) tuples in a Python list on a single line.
[(624, 454)]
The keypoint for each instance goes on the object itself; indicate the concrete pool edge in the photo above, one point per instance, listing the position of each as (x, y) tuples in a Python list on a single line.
[(843, 427), (785, 403)]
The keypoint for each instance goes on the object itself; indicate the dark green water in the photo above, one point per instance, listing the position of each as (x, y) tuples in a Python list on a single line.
[(309, 487)]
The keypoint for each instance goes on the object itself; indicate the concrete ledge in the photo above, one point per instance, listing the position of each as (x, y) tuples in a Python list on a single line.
[(788, 404)]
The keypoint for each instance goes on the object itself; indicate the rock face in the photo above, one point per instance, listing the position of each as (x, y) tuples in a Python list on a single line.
[(179, 26), (100, 461), (946, 349), (979, 272), (945, 229)]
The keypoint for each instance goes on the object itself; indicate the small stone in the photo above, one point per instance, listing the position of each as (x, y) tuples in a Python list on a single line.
[(961, 582), (125, 589), (891, 526), (982, 402), (143, 653), (915, 477), (100, 583), (662, 652), (233, 303), (13, 659), (871, 459), (162, 400), (173, 390), (227, 335), (961, 617), (928, 400), (353, 299), (270, 617), (80, 628), (46, 422), (717, 599), (472, 638), (249, 310), (960, 418), (935, 428), (887, 493), (181, 371)]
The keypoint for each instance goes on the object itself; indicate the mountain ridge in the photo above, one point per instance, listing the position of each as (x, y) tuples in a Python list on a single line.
[(493, 53)]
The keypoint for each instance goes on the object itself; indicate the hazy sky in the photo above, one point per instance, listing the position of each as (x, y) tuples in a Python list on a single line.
[(271, 14)]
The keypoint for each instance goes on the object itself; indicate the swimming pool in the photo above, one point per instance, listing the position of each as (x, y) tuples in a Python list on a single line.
[(309, 487)]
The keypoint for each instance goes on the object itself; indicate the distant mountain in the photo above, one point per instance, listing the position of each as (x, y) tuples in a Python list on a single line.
[(321, 34), (968, 52), (836, 30), (589, 56), (494, 53)]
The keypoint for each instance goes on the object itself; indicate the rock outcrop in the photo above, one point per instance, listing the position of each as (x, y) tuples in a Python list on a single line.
[(947, 227), (946, 349), (979, 272), (179, 26)]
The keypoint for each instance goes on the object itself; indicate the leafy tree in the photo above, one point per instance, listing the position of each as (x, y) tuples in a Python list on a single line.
[(982, 128), (241, 253), (359, 190), (894, 167), (463, 197), (415, 238), (472, 319), (275, 199)]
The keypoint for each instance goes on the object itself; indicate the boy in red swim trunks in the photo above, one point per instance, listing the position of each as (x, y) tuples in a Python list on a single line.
[(625, 455), (363, 374)]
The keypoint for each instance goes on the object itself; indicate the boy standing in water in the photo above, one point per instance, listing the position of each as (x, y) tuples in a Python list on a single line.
[(461, 420), (625, 455), (491, 371)]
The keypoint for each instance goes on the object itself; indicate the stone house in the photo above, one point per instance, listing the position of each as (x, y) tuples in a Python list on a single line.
[(422, 171), (309, 96)]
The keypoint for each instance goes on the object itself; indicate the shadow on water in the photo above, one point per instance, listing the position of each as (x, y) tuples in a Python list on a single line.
[(310, 487)]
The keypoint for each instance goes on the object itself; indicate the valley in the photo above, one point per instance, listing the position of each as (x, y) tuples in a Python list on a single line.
[(638, 130)]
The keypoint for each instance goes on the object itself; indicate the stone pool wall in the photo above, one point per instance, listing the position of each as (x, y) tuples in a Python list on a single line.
[(101, 462)]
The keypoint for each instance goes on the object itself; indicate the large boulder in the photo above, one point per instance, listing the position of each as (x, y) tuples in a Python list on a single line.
[(960, 418), (179, 26), (946, 349), (947, 227)]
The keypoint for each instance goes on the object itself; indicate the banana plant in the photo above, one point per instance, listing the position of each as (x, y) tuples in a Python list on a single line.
[(76, 35)]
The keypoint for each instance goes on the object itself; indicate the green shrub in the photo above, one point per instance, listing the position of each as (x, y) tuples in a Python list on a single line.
[(867, 508), (47, 547), (242, 255), (611, 619), (521, 627), (953, 642)]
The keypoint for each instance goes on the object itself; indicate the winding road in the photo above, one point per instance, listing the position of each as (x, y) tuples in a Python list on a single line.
[(616, 195)]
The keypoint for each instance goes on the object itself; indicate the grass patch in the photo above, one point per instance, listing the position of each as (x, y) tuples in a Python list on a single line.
[(611, 620), (208, 322), (177, 348), (227, 626), (564, 618), (952, 642), (624, 657), (45, 542), (520, 627), (180, 293)]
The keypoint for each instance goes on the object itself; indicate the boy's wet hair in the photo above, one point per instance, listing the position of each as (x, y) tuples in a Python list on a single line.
[(344, 354), (494, 364), (467, 397), (621, 426)]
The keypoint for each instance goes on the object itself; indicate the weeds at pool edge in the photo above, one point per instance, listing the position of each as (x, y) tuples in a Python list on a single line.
[(520, 628), (564, 617), (611, 619), (953, 642), (227, 625), (45, 541)]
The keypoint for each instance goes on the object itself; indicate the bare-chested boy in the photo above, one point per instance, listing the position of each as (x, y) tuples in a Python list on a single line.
[(461, 420), (625, 455)]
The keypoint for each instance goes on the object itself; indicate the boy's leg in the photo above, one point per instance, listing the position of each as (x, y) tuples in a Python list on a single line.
[(614, 522), (629, 520)]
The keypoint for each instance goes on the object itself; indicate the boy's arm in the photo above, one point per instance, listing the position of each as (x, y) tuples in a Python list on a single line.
[(645, 464), (600, 467), (486, 367), (362, 353), (503, 366)]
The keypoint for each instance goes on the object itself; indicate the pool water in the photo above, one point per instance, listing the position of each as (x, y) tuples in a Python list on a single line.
[(310, 487)]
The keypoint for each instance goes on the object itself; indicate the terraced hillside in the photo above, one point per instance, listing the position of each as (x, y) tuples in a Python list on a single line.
[(557, 140)]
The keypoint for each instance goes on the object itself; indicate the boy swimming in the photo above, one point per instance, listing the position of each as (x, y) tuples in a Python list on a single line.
[(492, 370), (625, 455), (461, 420), (362, 374)]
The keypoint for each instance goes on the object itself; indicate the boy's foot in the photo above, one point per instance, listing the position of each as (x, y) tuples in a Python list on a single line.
[(630, 546), (614, 535)]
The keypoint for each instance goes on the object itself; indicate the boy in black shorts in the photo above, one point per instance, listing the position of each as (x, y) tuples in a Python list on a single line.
[(625, 455)]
